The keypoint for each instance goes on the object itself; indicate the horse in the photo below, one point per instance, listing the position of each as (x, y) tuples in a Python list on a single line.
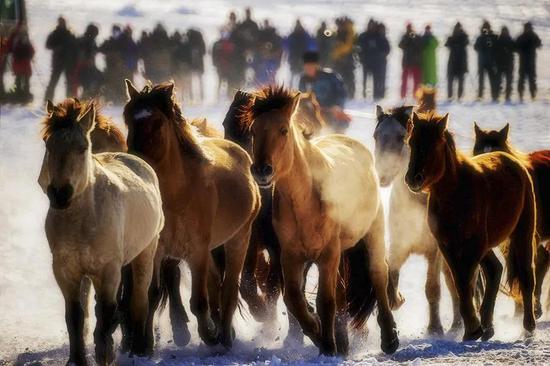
[(538, 165), (309, 115), (425, 97), (325, 199), (408, 228), (205, 129), (474, 204), (105, 213), (209, 198)]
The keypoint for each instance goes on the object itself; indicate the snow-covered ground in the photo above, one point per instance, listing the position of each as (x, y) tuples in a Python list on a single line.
[(32, 328)]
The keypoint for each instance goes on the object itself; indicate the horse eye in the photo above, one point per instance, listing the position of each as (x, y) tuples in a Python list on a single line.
[(284, 131)]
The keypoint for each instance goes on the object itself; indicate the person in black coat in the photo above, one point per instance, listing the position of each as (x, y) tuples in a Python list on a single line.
[(62, 43), (380, 63), (526, 46), (486, 56), (87, 74), (298, 42), (505, 61), (457, 66), (367, 48)]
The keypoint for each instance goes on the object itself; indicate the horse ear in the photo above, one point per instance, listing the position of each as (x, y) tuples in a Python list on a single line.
[(170, 88), (291, 107), (442, 124), (50, 107), (87, 119), (477, 129), (131, 89), (409, 110), (379, 112), (504, 132)]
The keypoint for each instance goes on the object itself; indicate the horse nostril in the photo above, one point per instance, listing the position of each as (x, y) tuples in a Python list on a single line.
[(418, 178), (60, 196), (263, 170), (267, 170)]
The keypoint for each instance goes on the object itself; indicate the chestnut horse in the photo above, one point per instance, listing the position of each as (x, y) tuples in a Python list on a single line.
[(209, 199), (538, 164), (408, 229), (105, 213), (325, 199), (474, 204)]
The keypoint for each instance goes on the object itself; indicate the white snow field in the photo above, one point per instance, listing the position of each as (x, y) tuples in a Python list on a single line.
[(32, 327)]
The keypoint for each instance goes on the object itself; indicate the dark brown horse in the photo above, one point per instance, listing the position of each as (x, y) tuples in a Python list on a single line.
[(538, 164), (474, 204)]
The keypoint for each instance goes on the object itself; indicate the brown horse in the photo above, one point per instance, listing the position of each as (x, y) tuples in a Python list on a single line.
[(206, 129), (538, 164), (325, 199), (425, 97), (209, 199), (474, 204)]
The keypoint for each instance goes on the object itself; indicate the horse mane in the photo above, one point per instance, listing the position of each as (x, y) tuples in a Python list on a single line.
[(266, 99), (161, 96), (233, 121), (400, 114), (524, 158)]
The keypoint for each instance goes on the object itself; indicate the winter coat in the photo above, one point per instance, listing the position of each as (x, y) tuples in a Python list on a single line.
[(62, 42), (526, 46), (328, 87), (429, 59), (297, 43), (486, 45), (22, 54), (368, 47), (223, 52), (198, 50), (412, 49), (458, 55), (505, 53)]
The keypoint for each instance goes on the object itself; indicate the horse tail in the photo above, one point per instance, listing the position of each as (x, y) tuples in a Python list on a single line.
[(359, 288), (164, 286), (520, 257)]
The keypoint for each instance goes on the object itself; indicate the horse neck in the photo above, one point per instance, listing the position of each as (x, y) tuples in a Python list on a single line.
[(449, 181)]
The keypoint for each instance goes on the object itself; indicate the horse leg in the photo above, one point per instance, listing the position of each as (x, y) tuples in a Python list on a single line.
[(326, 297), (378, 268), (249, 282), (492, 268), (199, 264), (457, 319), (295, 334), (341, 324), (433, 292), (106, 284), (398, 256), (274, 281), (171, 277), (125, 291), (542, 261), (235, 253), (294, 297), (74, 314), (214, 291), (142, 274)]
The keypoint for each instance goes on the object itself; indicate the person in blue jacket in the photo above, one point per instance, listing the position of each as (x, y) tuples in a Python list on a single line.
[(329, 88)]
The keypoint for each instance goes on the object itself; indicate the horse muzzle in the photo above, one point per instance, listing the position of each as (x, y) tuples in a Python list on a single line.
[(60, 197), (263, 174), (415, 181)]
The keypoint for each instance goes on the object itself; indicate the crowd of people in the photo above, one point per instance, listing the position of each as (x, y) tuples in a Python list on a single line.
[(250, 54)]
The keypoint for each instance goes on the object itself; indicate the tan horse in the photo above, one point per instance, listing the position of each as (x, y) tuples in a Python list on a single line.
[(210, 199), (325, 200), (105, 213), (206, 129)]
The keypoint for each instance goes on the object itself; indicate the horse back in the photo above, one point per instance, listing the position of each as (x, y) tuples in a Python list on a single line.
[(540, 171)]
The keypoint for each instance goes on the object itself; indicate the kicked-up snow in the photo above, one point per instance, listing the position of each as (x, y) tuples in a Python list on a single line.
[(32, 326)]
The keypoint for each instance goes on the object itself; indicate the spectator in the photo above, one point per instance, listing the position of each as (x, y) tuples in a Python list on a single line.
[(505, 61), (325, 42), (269, 53), (342, 53), (486, 59), (429, 58), (62, 43), (198, 50), (368, 46), (297, 43), (457, 66), (329, 89), (412, 54), (22, 54), (86, 72), (382, 51), (223, 58), (526, 45)]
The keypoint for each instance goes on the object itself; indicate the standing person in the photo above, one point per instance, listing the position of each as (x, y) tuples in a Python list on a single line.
[(325, 41), (61, 42), (380, 62), (246, 36), (330, 90), (429, 58), (526, 45), (457, 66), (22, 54), (269, 52), (367, 49), (198, 50), (87, 74), (297, 43), (342, 53), (223, 58), (412, 55), (505, 61), (486, 60)]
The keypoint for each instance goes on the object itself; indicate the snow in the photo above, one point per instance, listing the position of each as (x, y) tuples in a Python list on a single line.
[(31, 317)]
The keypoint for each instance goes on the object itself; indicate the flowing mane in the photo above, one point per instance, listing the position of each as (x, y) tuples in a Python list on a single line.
[(161, 96), (264, 100)]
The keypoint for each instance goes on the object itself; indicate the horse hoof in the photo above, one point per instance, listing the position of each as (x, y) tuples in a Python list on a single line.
[(328, 350), (474, 336), (227, 340), (488, 333), (181, 335), (389, 346), (209, 333), (435, 330), (538, 310), (80, 362)]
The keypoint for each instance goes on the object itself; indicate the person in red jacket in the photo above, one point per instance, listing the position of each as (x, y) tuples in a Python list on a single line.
[(22, 53)]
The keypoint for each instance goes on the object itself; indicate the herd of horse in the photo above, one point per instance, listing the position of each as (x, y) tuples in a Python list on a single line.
[(124, 212)]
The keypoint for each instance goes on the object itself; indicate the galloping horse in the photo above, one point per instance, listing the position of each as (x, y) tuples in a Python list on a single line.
[(408, 228), (474, 204), (325, 199), (538, 165), (105, 213), (209, 199)]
